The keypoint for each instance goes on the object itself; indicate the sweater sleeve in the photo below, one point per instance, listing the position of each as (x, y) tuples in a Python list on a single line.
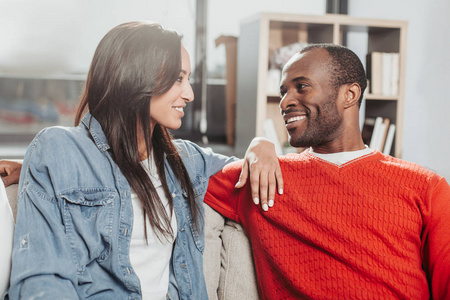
[(436, 241), (222, 195)]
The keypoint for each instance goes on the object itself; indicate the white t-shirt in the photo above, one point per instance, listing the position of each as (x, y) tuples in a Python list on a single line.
[(340, 158), (6, 237), (151, 261)]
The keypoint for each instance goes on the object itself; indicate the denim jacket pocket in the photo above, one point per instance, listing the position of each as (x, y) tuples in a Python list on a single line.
[(88, 220), (199, 185)]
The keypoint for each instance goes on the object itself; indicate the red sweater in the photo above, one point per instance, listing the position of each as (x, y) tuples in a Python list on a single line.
[(374, 228)]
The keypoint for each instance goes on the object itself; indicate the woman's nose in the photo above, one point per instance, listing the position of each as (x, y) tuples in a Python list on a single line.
[(188, 93)]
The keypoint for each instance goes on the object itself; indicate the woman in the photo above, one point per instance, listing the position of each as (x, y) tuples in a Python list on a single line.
[(111, 209)]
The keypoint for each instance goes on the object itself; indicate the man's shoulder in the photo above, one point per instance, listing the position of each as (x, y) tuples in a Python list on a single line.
[(296, 159), (231, 169), (407, 168)]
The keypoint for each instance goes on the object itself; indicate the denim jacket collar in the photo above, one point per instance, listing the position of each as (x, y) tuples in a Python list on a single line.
[(96, 131)]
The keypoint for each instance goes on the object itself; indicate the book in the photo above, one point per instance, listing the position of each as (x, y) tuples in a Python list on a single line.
[(386, 73), (389, 139), (375, 141), (395, 74), (385, 129), (383, 73), (374, 71)]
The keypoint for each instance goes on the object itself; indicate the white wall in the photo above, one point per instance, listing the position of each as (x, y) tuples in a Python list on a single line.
[(426, 139), (60, 36)]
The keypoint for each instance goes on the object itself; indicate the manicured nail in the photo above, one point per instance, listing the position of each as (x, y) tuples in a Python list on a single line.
[(256, 200), (237, 184), (270, 203), (265, 207), (280, 191)]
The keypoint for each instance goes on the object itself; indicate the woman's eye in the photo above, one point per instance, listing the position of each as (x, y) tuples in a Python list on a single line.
[(180, 79)]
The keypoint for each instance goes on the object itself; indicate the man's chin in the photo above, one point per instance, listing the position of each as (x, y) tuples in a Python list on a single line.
[(304, 143), (299, 144)]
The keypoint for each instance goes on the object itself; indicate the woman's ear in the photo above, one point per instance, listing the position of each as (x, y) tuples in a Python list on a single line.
[(352, 94)]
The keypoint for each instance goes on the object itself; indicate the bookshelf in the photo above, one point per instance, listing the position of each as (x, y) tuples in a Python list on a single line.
[(261, 35)]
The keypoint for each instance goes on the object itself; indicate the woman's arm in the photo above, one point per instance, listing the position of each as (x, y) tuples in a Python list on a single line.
[(260, 165), (43, 265)]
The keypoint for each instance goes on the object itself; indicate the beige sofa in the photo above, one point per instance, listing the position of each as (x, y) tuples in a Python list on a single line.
[(228, 263)]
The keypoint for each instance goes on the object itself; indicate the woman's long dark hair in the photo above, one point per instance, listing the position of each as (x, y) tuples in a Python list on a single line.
[(133, 62)]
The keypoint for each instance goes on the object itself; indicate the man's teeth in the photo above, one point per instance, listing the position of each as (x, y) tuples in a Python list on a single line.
[(179, 109), (290, 120)]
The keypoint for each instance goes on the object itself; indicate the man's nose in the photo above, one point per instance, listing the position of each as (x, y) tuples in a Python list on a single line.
[(287, 101)]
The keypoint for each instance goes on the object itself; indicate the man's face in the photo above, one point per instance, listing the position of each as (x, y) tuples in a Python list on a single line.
[(308, 100)]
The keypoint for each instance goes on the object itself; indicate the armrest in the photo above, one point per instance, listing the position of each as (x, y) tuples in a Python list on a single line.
[(11, 193), (227, 261)]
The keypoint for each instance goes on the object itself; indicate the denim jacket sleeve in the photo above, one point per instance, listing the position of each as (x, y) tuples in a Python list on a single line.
[(43, 266), (205, 160)]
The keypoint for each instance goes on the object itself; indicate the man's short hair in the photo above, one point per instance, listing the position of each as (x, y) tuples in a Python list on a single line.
[(346, 67)]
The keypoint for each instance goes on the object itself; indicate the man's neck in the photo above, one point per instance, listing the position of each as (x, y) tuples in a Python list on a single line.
[(339, 147), (340, 158)]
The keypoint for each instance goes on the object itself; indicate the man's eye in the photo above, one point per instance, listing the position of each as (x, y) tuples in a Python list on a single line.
[(300, 86), (282, 93)]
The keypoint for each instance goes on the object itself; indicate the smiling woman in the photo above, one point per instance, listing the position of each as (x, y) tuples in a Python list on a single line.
[(113, 206)]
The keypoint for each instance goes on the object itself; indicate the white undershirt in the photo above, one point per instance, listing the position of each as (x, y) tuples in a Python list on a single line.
[(340, 158), (151, 261)]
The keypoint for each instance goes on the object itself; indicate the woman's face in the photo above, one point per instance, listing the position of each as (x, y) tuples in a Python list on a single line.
[(168, 109)]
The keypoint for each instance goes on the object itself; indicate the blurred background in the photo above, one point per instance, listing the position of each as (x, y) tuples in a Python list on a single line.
[(46, 47)]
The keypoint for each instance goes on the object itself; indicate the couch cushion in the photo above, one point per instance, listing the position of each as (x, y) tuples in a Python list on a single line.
[(228, 261), (11, 193), (237, 274), (214, 225)]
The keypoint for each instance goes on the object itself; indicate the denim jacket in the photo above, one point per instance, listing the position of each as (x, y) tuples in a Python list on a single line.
[(75, 218)]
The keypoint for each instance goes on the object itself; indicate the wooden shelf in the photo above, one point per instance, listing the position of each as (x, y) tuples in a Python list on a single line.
[(379, 97)]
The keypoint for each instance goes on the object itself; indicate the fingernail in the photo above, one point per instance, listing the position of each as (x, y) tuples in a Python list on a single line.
[(256, 200), (265, 207), (270, 203), (237, 184), (280, 191)]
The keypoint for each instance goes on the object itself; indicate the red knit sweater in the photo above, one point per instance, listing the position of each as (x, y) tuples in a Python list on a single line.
[(374, 228)]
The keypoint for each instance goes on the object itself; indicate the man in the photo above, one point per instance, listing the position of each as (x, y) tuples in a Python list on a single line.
[(352, 223)]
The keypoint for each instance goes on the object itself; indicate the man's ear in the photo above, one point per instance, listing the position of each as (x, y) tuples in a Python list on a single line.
[(352, 94)]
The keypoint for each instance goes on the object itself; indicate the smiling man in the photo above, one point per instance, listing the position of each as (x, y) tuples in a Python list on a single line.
[(352, 222)]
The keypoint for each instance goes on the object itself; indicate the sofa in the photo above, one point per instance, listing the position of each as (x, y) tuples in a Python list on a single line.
[(228, 261)]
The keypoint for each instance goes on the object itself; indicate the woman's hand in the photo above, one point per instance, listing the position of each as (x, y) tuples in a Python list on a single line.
[(262, 163), (10, 171)]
